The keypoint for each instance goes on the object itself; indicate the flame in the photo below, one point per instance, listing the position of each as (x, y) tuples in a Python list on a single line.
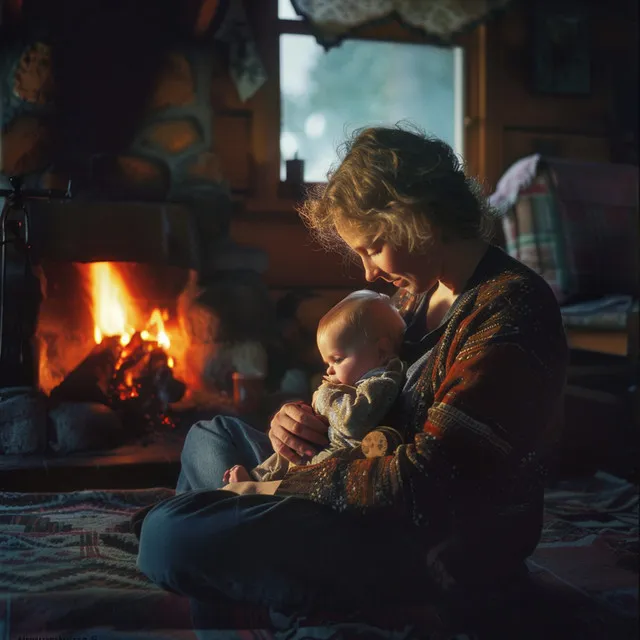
[(110, 296), (114, 313), (116, 298), (156, 320)]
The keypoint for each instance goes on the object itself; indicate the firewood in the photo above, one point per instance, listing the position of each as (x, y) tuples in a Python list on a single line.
[(169, 389), (135, 381), (90, 380)]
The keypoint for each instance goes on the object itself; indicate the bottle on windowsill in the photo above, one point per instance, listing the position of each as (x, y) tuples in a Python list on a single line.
[(294, 181)]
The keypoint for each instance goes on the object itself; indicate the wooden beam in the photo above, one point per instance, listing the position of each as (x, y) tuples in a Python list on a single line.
[(475, 120)]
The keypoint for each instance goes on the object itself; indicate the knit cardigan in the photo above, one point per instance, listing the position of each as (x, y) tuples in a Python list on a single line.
[(471, 476)]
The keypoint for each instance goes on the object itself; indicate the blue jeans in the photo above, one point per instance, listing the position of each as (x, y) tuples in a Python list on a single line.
[(283, 552), (214, 446)]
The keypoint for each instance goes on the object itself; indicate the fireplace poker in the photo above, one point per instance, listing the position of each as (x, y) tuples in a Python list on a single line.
[(14, 230)]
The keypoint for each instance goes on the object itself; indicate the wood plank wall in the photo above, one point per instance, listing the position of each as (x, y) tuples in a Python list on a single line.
[(506, 120), (524, 122)]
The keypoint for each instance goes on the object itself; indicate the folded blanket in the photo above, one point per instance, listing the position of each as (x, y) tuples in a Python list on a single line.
[(519, 176)]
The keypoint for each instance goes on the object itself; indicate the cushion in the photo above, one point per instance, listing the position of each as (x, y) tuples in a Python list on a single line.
[(574, 223)]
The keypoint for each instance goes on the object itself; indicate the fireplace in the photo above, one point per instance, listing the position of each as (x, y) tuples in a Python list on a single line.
[(99, 353), (113, 363), (126, 308)]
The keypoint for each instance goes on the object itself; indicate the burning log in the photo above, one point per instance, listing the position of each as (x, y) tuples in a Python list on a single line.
[(143, 385), (130, 366), (143, 370), (168, 389), (90, 380), (135, 380)]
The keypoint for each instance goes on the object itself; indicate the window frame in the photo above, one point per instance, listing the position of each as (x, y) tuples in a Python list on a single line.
[(270, 192)]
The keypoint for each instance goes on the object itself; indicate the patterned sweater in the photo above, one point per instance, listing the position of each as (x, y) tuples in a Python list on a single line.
[(478, 405)]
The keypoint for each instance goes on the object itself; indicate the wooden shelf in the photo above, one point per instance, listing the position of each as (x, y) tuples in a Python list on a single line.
[(611, 342)]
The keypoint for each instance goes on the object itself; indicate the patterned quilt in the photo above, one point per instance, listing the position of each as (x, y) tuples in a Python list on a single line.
[(68, 570)]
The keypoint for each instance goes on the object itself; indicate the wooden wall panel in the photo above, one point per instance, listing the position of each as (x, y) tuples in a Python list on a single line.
[(232, 143), (524, 121), (522, 105), (517, 144), (294, 259), (312, 309)]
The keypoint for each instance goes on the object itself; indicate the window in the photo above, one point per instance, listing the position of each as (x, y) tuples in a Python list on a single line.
[(326, 95)]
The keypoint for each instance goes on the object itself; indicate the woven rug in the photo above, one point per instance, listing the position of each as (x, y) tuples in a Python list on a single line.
[(590, 542), (68, 561), (68, 568)]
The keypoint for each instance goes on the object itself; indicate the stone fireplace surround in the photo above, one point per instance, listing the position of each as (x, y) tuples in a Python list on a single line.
[(149, 191)]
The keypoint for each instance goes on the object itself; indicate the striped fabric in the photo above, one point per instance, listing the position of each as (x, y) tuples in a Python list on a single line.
[(574, 223), (532, 236)]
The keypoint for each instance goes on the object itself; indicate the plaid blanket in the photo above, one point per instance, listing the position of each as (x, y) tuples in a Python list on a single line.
[(68, 568), (572, 222)]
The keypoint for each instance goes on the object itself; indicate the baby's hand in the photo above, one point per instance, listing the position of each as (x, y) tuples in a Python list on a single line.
[(236, 474)]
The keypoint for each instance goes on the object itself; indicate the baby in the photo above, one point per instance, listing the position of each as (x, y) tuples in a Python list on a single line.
[(359, 340)]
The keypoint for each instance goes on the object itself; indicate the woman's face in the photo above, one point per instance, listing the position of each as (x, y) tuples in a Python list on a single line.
[(415, 272)]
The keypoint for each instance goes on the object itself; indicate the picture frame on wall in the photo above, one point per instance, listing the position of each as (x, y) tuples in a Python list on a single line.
[(561, 48)]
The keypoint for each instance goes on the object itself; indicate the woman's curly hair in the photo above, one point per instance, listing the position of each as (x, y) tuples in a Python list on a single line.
[(397, 183)]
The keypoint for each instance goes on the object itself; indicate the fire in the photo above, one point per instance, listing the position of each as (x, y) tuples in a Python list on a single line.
[(143, 369), (114, 313), (159, 335), (131, 311), (110, 301)]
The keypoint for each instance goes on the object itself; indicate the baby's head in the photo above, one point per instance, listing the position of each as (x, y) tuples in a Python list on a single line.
[(360, 333)]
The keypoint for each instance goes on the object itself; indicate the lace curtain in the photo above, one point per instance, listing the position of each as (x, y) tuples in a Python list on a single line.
[(442, 20)]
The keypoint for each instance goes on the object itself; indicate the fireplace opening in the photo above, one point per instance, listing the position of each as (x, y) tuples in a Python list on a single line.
[(114, 355), (126, 352), (109, 333), (128, 308)]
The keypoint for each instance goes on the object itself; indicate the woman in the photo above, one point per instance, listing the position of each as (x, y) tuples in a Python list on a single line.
[(457, 509)]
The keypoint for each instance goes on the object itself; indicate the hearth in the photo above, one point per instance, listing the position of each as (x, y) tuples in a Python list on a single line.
[(98, 354), (126, 308)]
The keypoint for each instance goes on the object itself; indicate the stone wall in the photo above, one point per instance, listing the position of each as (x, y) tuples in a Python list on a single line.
[(168, 155)]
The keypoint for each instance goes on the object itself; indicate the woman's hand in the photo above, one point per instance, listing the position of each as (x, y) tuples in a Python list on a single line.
[(297, 433), (253, 488)]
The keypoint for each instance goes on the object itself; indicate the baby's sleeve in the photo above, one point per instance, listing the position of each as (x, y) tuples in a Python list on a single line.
[(353, 412)]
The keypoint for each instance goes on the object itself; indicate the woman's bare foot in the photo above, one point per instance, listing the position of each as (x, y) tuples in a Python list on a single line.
[(236, 474)]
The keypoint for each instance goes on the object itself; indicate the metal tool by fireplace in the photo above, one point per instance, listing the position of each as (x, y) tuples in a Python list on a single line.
[(19, 287)]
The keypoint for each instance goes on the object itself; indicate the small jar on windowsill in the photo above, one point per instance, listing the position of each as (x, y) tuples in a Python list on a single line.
[(294, 181)]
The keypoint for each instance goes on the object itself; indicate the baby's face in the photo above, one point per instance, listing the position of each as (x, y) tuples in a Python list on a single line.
[(346, 364)]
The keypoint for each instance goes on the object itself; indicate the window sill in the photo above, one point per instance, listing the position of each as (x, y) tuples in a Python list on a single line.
[(286, 200), (297, 193)]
